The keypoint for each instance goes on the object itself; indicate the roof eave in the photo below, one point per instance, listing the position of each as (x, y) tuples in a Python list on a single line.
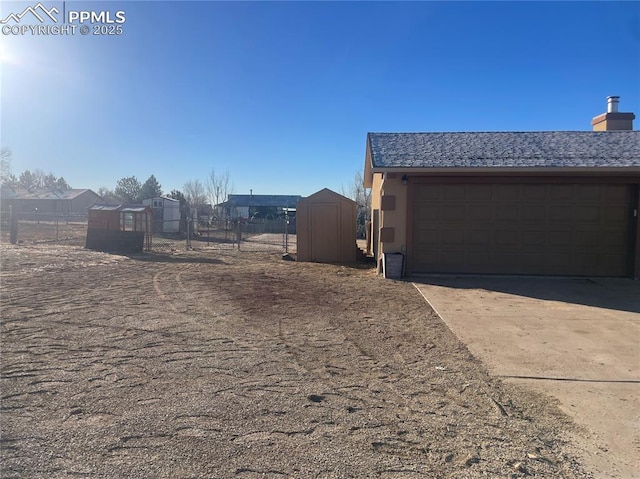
[(368, 166), (470, 171)]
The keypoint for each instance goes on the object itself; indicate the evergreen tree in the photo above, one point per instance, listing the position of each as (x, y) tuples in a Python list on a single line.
[(150, 189), (178, 195)]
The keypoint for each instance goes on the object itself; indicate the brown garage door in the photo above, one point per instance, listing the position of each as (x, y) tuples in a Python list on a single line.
[(550, 229)]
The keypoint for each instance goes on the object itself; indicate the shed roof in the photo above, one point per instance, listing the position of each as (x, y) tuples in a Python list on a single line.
[(327, 193), (120, 208), (541, 149), (163, 197)]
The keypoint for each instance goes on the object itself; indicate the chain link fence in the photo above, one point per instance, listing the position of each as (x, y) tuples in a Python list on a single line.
[(269, 236), (37, 228), (273, 236), (166, 236)]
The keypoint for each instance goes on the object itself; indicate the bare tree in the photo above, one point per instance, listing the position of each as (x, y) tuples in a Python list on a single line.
[(128, 190), (357, 192), (219, 187), (195, 193), (361, 195), (108, 196), (30, 180)]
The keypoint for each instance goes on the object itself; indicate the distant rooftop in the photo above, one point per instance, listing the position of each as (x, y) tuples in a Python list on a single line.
[(279, 201), (543, 149), (51, 194)]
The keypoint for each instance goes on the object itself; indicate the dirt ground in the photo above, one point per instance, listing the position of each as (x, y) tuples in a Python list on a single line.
[(241, 365)]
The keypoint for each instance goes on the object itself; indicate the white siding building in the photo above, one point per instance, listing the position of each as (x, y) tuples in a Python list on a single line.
[(166, 214)]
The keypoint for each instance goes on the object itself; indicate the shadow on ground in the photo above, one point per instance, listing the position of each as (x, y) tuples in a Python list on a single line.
[(169, 258), (610, 293)]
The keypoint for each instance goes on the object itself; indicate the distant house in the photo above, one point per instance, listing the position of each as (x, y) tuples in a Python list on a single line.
[(53, 202), (256, 206), (166, 214), (538, 203)]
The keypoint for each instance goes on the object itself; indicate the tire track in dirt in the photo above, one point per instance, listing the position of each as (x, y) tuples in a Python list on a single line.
[(354, 378), (392, 378), (259, 339), (220, 321), (247, 368), (161, 295), (104, 367)]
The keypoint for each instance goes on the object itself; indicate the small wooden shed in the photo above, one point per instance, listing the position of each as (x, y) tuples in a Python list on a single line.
[(119, 228), (326, 228)]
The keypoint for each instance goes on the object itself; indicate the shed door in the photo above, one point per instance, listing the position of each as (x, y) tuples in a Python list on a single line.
[(547, 229), (325, 220)]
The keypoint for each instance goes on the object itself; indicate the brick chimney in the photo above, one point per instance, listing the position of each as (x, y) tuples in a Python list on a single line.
[(613, 119)]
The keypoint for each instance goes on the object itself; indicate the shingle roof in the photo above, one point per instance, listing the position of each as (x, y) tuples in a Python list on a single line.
[(542, 149), (54, 194)]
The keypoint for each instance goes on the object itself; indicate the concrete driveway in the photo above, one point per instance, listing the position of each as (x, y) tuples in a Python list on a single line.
[(577, 340)]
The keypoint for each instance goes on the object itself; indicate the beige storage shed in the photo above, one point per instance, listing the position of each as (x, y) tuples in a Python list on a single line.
[(326, 228)]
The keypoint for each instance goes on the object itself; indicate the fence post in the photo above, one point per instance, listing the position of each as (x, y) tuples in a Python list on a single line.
[(286, 232), (239, 232), (188, 231), (13, 228)]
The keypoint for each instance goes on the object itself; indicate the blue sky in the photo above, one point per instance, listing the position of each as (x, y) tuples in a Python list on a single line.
[(282, 94)]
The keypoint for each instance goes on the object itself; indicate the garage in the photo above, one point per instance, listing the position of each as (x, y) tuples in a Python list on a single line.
[(522, 226), (556, 203)]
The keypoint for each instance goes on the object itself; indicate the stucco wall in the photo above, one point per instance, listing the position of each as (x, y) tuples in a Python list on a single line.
[(375, 191), (395, 218), (613, 121), (392, 214)]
